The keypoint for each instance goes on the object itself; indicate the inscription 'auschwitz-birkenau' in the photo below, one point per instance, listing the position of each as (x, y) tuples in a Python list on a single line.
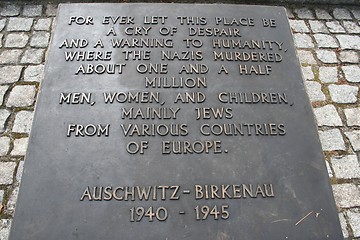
[(173, 121)]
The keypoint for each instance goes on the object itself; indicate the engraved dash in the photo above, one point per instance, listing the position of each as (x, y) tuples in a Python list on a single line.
[(186, 191), (182, 212)]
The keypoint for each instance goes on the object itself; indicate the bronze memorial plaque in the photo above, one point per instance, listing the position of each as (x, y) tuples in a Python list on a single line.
[(174, 121)]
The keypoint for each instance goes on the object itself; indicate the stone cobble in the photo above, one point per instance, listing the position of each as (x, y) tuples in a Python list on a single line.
[(351, 42), (349, 57), (10, 74), (354, 219), (326, 56), (19, 24), (34, 73), (335, 27), (21, 96), (346, 167), (343, 93), (325, 41), (354, 138), (328, 74), (352, 116), (16, 40), (327, 116), (328, 45), (20, 146), (314, 91), (332, 140), (352, 73)]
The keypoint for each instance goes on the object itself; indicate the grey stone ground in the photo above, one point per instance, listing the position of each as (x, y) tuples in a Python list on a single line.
[(328, 43)]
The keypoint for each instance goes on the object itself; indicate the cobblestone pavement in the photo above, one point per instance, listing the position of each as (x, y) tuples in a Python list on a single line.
[(328, 43)]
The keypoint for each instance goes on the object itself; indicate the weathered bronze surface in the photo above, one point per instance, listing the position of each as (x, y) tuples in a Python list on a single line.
[(174, 121)]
